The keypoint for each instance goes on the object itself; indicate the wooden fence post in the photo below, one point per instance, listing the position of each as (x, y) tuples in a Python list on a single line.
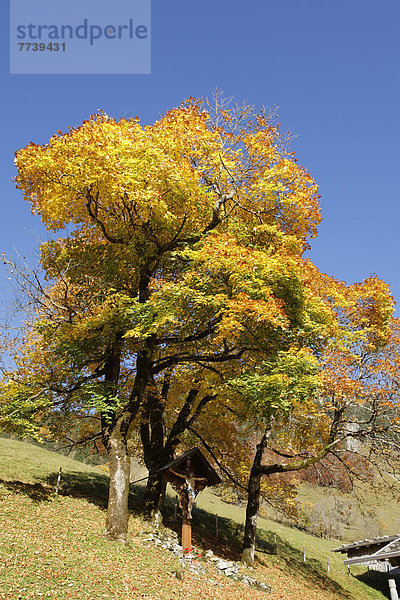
[(327, 564), (304, 554), (393, 590), (216, 525)]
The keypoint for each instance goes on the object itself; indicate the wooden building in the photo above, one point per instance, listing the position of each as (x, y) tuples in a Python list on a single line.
[(380, 554), (384, 550)]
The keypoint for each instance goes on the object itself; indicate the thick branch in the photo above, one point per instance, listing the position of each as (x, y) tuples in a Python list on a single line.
[(93, 214), (203, 402), (182, 419), (303, 464), (182, 358)]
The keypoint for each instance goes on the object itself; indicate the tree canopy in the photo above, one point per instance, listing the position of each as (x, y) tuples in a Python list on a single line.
[(179, 279)]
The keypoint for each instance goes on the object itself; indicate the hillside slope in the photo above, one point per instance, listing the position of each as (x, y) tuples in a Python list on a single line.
[(52, 547)]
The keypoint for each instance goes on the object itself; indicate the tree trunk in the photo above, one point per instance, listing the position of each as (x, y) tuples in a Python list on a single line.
[(158, 449), (253, 503), (154, 497), (117, 511), (115, 432), (152, 432)]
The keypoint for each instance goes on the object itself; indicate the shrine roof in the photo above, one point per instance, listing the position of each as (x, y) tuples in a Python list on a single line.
[(199, 463)]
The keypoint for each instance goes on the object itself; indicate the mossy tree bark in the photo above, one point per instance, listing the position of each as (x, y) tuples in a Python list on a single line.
[(117, 510), (115, 431)]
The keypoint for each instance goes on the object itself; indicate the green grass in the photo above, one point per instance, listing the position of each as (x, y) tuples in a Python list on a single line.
[(289, 556), (35, 464), (53, 547)]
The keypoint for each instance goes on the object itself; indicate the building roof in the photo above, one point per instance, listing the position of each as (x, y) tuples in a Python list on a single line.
[(368, 542), (199, 463), (388, 547)]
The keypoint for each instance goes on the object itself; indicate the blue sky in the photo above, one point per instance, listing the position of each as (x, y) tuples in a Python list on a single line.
[(332, 67)]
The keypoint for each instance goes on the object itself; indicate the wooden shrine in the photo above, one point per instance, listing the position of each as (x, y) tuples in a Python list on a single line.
[(189, 474)]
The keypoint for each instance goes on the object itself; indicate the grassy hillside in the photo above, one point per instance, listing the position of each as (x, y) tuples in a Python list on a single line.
[(364, 513), (53, 547)]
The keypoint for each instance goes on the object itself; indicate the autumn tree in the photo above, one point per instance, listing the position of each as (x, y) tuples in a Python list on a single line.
[(179, 268), (339, 402)]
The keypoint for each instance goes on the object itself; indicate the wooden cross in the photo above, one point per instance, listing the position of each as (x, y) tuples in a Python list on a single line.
[(189, 474)]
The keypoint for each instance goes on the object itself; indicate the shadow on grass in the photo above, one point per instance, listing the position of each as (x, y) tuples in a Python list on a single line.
[(94, 488), (91, 486), (136, 496), (378, 581), (228, 542), (36, 491), (313, 570), (228, 545)]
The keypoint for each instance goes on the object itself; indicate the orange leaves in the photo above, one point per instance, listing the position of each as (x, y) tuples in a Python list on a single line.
[(114, 179), (374, 304), (339, 381), (190, 231), (362, 371), (242, 311)]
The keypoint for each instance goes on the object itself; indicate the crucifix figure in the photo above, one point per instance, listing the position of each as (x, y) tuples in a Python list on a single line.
[(189, 487)]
